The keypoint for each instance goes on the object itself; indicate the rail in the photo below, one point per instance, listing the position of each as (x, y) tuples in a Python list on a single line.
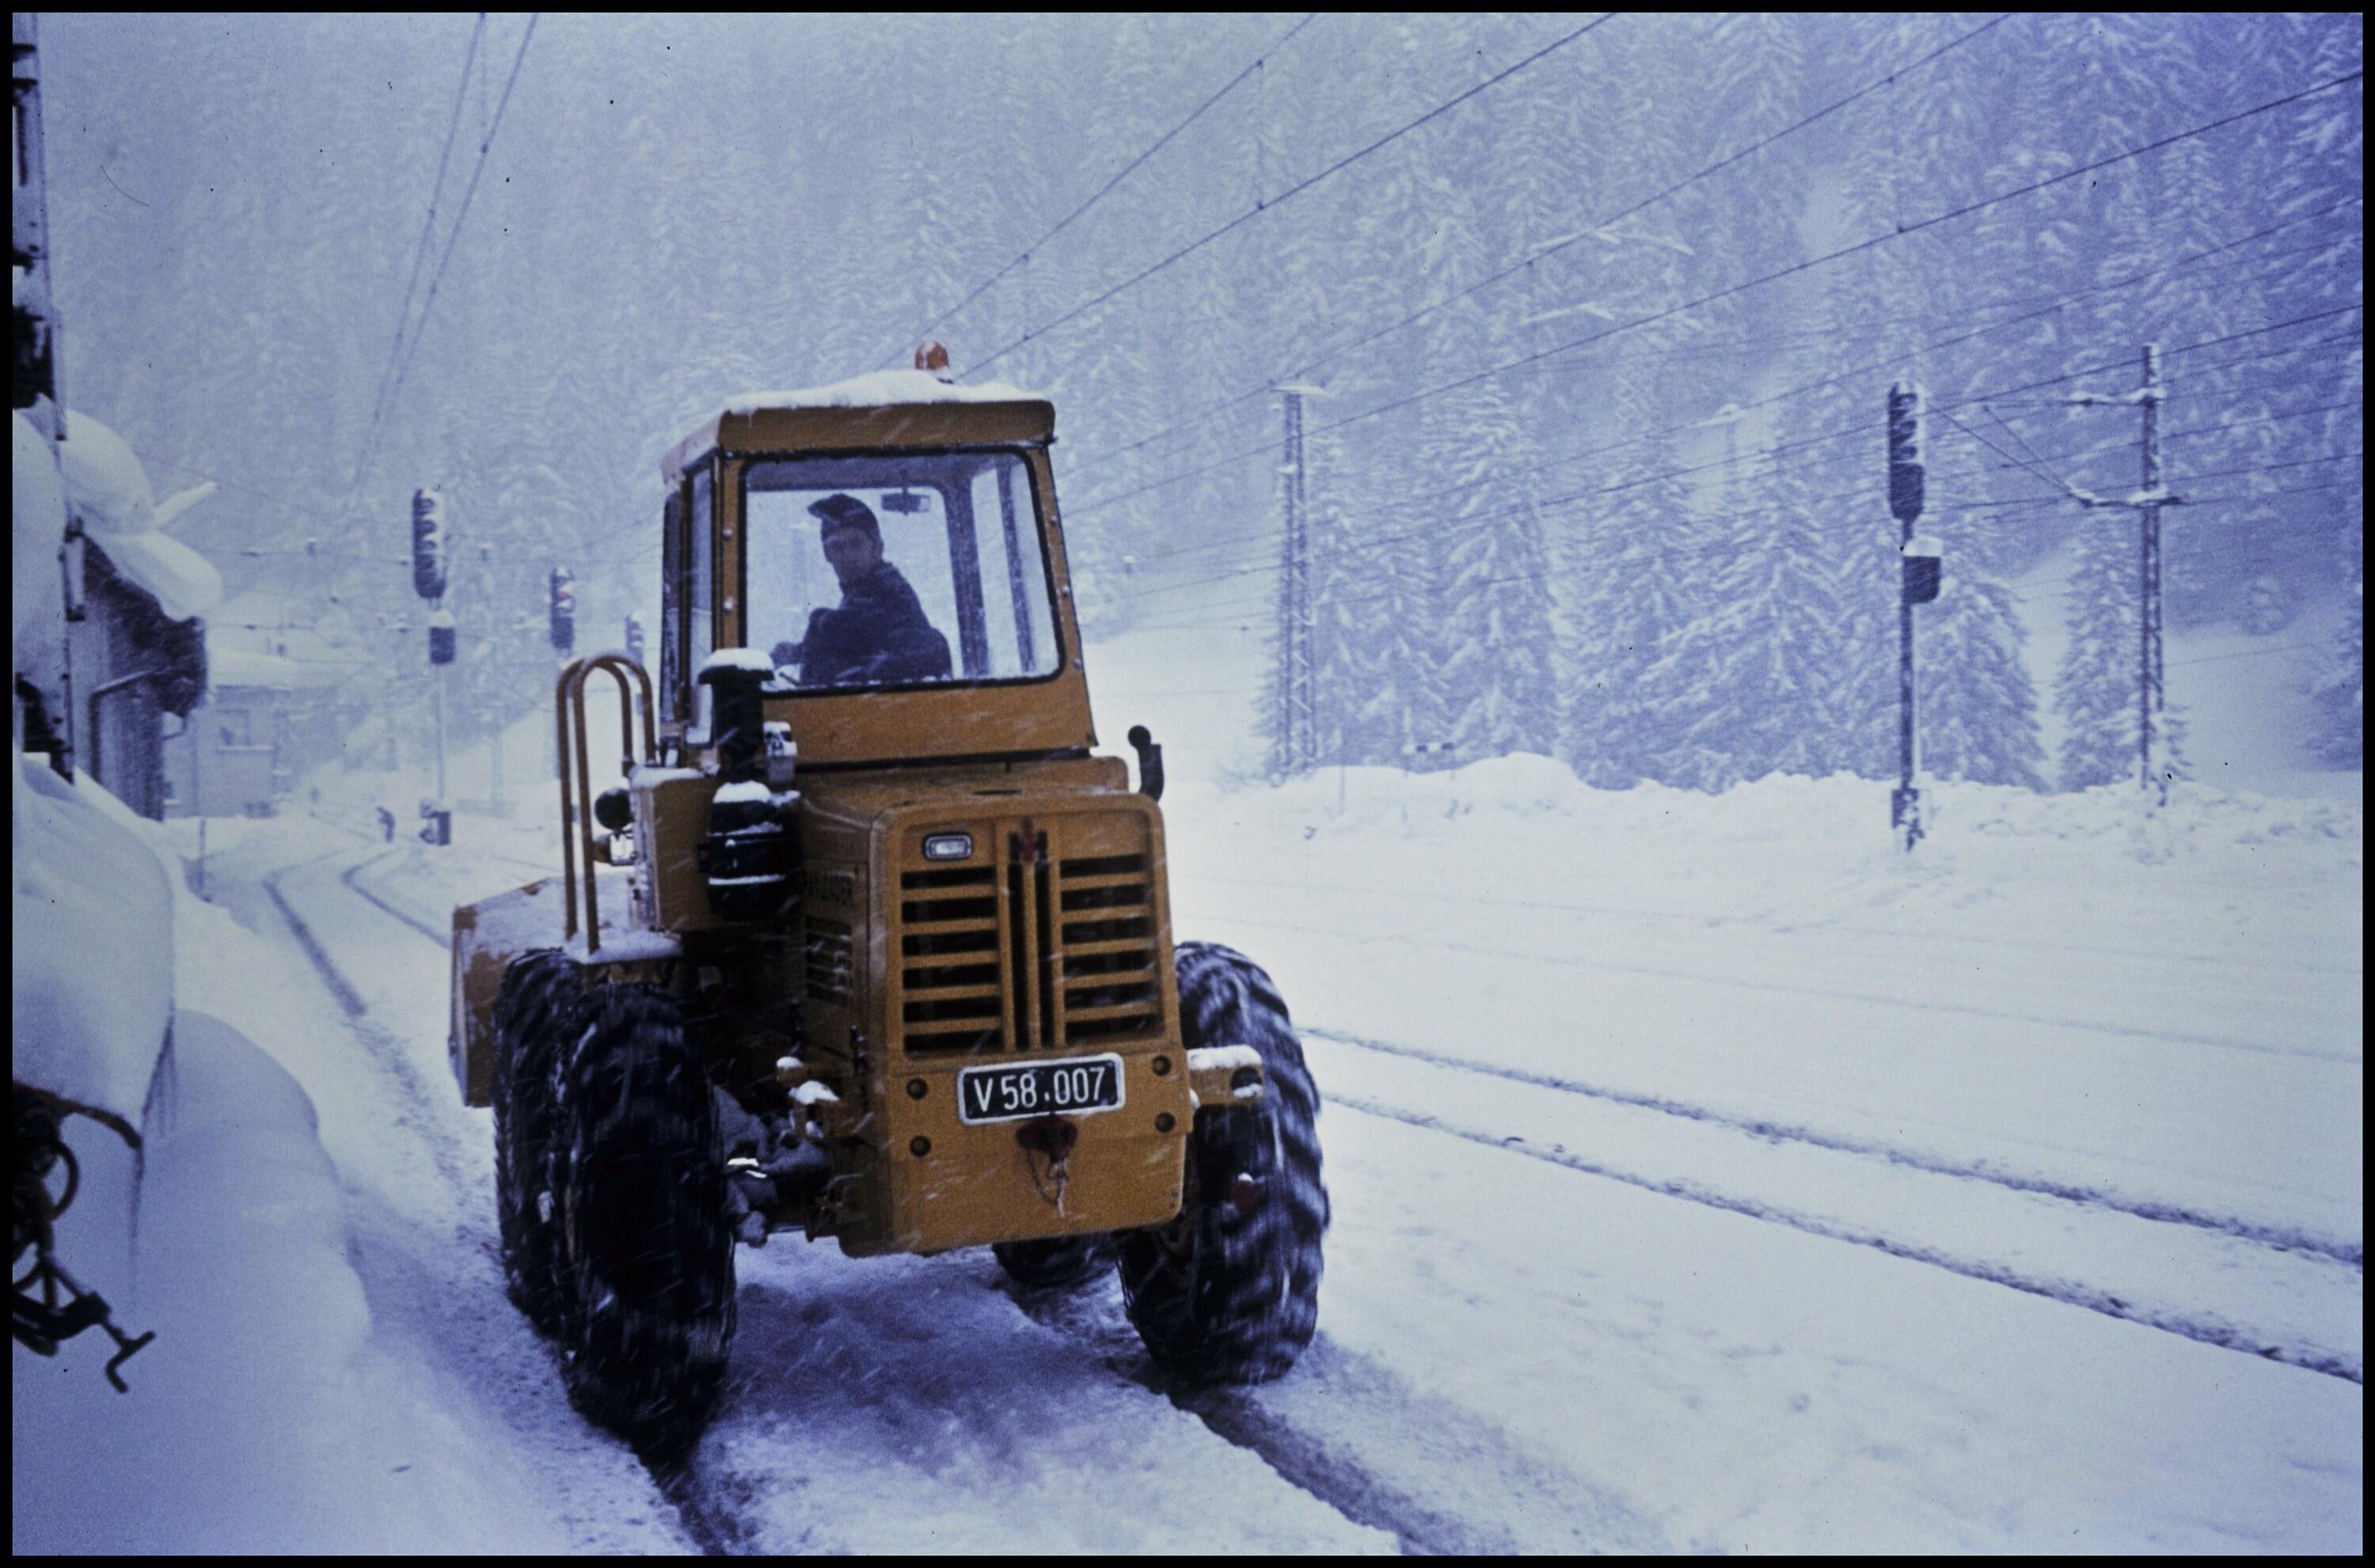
[(577, 813)]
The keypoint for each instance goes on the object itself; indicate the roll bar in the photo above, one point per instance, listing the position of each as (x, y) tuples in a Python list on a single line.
[(577, 813)]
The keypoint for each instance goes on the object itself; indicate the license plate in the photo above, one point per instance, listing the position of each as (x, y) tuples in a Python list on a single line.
[(1039, 1088)]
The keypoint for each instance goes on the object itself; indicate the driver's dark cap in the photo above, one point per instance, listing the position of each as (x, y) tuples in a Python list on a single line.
[(845, 511)]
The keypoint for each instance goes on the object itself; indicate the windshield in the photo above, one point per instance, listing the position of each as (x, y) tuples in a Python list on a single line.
[(895, 568)]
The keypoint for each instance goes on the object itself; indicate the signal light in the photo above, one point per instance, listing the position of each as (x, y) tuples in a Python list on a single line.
[(441, 637), (1923, 560), (564, 609), (1904, 477), (429, 544), (933, 358)]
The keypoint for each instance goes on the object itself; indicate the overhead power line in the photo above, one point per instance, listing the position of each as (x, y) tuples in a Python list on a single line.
[(427, 223), (1304, 371), (452, 239), (2049, 307), (1274, 203), (1106, 189), (1412, 503), (1869, 243)]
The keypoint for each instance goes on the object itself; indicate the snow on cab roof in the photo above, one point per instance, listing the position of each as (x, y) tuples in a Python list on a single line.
[(879, 389)]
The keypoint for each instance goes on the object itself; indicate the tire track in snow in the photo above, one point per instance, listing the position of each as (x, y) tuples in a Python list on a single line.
[(2354, 1255), (717, 1533), (351, 876), (1363, 1408), (417, 1109), (2070, 1292)]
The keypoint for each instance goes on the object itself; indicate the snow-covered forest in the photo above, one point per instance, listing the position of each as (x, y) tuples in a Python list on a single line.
[(1604, 338)]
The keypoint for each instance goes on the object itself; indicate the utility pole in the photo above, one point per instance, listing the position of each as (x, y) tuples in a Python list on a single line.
[(2148, 657), (2151, 688), (1296, 745), (1918, 585)]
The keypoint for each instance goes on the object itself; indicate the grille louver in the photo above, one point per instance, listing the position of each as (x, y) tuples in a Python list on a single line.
[(948, 951), (1111, 991), (1036, 953)]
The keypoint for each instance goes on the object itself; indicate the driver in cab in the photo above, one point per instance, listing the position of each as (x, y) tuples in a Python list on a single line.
[(878, 634)]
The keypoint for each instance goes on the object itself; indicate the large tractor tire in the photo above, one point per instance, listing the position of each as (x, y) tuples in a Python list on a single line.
[(536, 1019), (1229, 1292), (1059, 1262), (643, 1252)]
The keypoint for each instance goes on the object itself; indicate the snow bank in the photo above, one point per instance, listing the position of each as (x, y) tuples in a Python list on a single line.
[(250, 1425), (1523, 788), (881, 389), (92, 960)]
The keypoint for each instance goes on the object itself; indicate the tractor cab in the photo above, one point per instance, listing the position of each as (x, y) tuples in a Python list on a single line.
[(889, 546)]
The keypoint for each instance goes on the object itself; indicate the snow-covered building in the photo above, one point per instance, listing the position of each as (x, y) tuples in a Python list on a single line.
[(119, 640), (236, 755)]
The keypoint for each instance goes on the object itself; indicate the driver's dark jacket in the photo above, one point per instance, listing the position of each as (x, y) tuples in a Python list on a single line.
[(878, 635)]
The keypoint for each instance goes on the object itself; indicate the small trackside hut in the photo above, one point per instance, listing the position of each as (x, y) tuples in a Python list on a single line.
[(865, 941)]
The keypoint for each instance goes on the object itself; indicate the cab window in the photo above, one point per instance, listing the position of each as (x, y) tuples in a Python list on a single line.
[(896, 568)]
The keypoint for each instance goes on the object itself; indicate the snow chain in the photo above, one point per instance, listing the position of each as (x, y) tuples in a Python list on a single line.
[(40, 1322)]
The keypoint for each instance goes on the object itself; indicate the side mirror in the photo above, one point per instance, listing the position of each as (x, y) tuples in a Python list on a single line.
[(1149, 762)]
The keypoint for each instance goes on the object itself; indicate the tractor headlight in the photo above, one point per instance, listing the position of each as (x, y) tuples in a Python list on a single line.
[(949, 846)]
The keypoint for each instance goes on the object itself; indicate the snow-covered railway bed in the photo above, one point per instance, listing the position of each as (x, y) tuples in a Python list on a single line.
[(2232, 1094), (1814, 1346), (1739, 1384), (2263, 1297)]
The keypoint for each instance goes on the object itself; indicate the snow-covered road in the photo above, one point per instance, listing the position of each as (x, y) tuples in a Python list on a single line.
[(1769, 1246)]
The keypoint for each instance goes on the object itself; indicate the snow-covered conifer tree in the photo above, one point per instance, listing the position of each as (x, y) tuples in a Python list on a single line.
[(2096, 686), (1977, 705), (2341, 690)]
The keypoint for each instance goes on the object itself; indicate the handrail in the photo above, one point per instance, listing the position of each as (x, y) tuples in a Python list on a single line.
[(577, 815)]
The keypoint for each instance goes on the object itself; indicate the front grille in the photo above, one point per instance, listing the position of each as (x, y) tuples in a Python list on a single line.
[(1038, 951)]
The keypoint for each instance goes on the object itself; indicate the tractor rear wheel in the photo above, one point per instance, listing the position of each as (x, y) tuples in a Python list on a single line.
[(536, 1019), (644, 1254), (1229, 1292)]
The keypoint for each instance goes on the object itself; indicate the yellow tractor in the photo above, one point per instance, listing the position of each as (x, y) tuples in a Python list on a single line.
[(866, 940)]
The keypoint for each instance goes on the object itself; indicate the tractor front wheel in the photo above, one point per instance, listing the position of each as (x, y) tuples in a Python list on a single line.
[(644, 1255), (1229, 1292)]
